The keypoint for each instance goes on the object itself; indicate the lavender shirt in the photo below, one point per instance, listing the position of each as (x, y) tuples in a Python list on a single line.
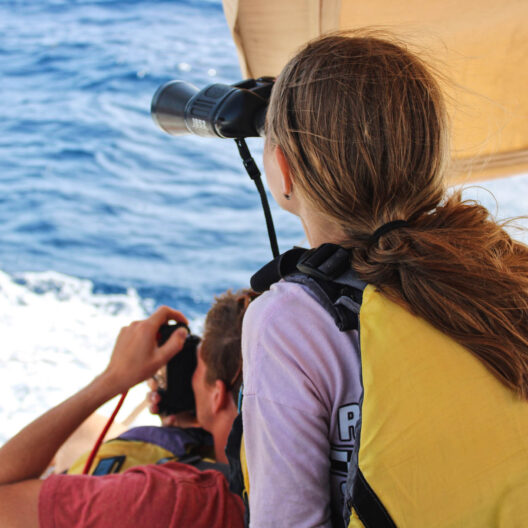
[(301, 405)]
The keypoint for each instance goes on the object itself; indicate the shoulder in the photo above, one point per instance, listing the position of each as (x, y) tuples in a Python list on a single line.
[(292, 347), (141, 495), (280, 318), (283, 302)]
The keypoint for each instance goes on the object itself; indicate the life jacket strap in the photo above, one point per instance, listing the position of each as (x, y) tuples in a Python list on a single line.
[(199, 463), (238, 473), (367, 505), (276, 269), (341, 302), (326, 273), (232, 451), (327, 262)]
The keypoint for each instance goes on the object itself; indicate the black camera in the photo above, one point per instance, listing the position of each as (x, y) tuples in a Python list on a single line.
[(218, 110), (176, 392)]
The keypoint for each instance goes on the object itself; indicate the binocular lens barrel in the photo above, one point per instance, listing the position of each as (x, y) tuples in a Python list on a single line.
[(218, 110), (168, 106)]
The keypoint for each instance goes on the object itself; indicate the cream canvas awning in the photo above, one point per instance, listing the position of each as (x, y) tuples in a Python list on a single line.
[(482, 46)]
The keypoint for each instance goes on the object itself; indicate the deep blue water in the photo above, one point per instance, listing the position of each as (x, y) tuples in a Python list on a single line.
[(89, 186)]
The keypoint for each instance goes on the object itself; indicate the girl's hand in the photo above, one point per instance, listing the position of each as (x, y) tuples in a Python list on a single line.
[(136, 355)]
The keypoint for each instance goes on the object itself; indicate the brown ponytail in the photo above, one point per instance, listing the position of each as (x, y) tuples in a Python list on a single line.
[(362, 123), (460, 270)]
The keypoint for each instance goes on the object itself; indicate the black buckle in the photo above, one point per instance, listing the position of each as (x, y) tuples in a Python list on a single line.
[(278, 268), (327, 262)]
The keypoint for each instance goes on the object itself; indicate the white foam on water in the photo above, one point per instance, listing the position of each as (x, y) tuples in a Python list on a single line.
[(57, 334)]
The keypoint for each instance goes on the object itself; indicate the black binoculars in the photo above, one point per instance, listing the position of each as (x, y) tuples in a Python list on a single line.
[(218, 110)]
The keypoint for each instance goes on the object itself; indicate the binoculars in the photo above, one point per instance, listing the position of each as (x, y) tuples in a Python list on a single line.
[(218, 110)]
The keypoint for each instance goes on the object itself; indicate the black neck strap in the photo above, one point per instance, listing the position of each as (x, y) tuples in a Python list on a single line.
[(327, 262)]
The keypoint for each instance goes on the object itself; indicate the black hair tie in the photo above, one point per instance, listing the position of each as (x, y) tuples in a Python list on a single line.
[(385, 228)]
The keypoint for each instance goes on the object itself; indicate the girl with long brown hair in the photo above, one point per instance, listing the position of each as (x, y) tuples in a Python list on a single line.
[(357, 146)]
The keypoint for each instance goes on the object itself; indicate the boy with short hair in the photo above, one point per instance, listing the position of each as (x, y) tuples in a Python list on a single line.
[(171, 494)]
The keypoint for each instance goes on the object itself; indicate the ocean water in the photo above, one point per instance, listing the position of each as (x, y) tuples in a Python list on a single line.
[(102, 216)]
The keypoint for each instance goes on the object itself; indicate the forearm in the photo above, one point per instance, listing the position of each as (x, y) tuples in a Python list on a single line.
[(29, 453)]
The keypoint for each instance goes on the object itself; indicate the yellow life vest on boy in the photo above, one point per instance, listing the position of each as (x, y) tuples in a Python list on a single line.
[(441, 442), (140, 446)]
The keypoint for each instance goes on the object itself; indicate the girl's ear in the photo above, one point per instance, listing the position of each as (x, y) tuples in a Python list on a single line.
[(287, 180)]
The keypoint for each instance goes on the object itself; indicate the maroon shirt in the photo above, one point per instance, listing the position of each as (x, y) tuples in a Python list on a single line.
[(154, 496)]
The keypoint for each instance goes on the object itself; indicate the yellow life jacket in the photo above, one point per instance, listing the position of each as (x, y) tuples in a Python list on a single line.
[(150, 445), (441, 442)]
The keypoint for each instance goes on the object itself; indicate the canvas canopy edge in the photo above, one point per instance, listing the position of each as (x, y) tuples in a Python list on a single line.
[(483, 44)]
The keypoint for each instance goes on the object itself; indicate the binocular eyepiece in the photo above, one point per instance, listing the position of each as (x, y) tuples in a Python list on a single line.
[(218, 110)]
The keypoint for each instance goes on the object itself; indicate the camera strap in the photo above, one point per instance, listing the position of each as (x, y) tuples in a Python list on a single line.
[(254, 174)]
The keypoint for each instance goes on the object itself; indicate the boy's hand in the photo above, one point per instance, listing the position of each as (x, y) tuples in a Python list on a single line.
[(136, 355)]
